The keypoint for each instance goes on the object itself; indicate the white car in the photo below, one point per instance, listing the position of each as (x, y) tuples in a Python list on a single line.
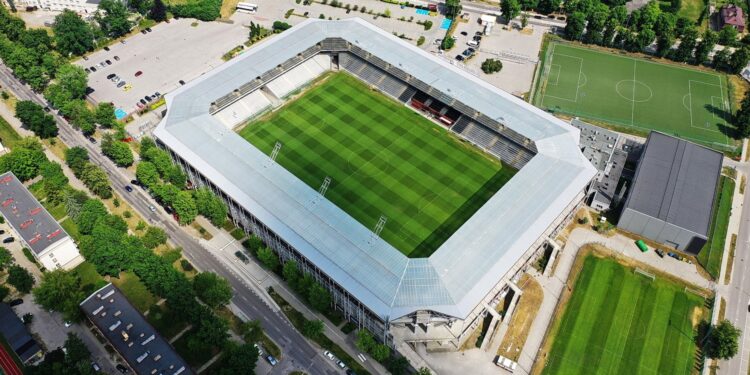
[(67, 324), (152, 208), (329, 355)]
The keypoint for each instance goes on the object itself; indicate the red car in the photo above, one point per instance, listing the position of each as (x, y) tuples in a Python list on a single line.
[(138, 73)]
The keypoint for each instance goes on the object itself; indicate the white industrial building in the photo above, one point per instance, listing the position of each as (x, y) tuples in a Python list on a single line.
[(37, 229)]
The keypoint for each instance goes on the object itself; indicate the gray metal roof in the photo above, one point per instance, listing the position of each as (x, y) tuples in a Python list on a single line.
[(15, 333), (464, 269), (145, 350), (27, 216), (676, 181)]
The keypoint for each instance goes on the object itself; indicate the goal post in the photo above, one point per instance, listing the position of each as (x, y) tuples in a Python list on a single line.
[(645, 273)]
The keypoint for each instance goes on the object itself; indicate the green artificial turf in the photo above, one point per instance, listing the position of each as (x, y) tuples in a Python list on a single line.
[(636, 95), (383, 159), (620, 322), (711, 254)]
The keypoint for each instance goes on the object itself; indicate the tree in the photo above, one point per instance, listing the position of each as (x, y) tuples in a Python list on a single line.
[(112, 17), (212, 289), (105, 115), (97, 181), (319, 297), (4, 292), (33, 117), (447, 43), (423, 371), (452, 8), (73, 81), (23, 162), (147, 174), (722, 341), (549, 6), (6, 259), (728, 36), (210, 206), (279, 26), (211, 333), (380, 352), (365, 341), (313, 328), (291, 273), (742, 118), (705, 46), (397, 365), (268, 257), (54, 182), (490, 66), (60, 291), (722, 60), (154, 237), (251, 331), (684, 51), (76, 158), (597, 21), (510, 9), (575, 26), (238, 359), (76, 349), (140, 6), (524, 20), (72, 34), (79, 114), (119, 152), (739, 59), (184, 207), (91, 211), (158, 11), (20, 278)]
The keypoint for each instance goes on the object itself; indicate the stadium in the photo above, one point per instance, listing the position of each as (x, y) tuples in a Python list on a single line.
[(313, 75)]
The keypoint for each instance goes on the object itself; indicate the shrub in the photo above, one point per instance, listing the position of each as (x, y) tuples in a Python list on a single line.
[(490, 66), (185, 264), (427, 25), (420, 41)]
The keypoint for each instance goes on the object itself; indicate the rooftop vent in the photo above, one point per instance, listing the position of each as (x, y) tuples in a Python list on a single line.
[(114, 326)]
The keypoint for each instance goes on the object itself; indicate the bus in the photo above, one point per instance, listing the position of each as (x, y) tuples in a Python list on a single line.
[(247, 7)]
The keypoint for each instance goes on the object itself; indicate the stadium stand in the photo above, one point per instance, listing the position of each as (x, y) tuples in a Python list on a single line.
[(243, 109), (376, 77), (298, 76)]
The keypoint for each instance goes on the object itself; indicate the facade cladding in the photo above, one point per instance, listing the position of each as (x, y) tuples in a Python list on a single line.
[(372, 283), (673, 193)]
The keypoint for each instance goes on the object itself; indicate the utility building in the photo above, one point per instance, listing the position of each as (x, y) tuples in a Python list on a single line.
[(673, 193)]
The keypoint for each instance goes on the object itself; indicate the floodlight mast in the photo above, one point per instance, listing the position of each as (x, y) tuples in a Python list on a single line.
[(378, 228), (274, 154)]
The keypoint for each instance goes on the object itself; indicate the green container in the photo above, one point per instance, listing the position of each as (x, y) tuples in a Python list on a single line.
[(641, 245)]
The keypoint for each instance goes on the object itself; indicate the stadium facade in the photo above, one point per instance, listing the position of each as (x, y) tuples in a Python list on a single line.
[(438, 300)]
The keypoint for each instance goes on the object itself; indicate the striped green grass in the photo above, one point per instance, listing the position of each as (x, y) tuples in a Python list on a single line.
[(383, 159), (620, 322)]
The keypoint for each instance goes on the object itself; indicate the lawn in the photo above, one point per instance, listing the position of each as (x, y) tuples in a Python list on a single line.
[(71, 227), (711, 254), (636, 95), (618, 321), (165, 321), (383, 160), (134, 289), (90, 279), (691, 9), (8, 135)]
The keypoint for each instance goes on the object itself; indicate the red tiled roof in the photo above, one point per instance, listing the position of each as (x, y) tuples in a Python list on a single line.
[(732, 15)]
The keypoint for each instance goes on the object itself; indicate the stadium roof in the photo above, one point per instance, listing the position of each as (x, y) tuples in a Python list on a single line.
[(145, 350), (676, 182), (27, 216), (458, 274)]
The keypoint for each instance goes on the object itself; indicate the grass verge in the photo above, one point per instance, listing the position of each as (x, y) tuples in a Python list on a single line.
[(711, 254)]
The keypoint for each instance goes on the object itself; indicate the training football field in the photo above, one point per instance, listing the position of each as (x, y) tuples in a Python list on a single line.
[(620, 322), (636, 93), (383, 160)]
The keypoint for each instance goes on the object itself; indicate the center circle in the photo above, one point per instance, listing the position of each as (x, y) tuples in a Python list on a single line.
[(634, 91)]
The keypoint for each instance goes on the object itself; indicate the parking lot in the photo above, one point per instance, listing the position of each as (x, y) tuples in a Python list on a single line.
[(171, 52)]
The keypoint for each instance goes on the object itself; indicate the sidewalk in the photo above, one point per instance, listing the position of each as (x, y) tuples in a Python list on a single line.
[(257, 279)]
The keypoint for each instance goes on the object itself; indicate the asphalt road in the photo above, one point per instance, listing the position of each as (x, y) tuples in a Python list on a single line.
[(298, 353), (738, 294)]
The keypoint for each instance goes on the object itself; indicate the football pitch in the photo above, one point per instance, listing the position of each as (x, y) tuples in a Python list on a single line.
[(618, 321), (383, 159), (636, 94)]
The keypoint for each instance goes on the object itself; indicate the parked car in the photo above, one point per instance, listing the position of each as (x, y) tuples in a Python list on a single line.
[(138, 73), (110, 76), (157, 95), (96, 366), (260, 351), (117, 58), (272, 360), (122, 83), (148, 98), (241, 256), (93, 69), (350, 372), (143, 101), (109, 62), (148, 29), (127, 87), (87, 70), (120, 367), (182, 82), (91, 139), (459, 58), (472, 43), (106, 48), (660, 253), (2, 231), (329, 355), (128, 188), (139, 105), (116, 79), (135, 182), (143, 31), (16, 302), (464, 33), (152, 208), (341, 364), (85, 58), (673, 255), (8, 240)]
